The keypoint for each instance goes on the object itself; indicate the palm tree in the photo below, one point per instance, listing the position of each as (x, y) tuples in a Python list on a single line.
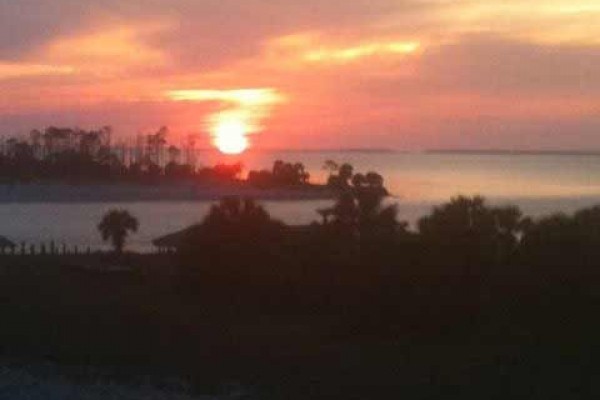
[(115, 226), (331, 167), (340, 181), (345, 173)]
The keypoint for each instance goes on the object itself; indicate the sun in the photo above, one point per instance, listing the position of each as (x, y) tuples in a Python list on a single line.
[(230, 136)]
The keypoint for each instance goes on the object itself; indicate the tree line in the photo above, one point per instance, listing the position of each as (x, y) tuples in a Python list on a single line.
[(362, 227), (72, 154)]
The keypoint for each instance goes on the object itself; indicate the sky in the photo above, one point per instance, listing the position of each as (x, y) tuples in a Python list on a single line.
[(401, 74)]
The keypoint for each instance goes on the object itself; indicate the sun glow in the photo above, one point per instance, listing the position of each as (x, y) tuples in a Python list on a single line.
[(245, 97), (242, 113), (230, 136), (349, 54)]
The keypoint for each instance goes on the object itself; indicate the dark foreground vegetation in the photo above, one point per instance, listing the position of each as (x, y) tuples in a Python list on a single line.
[(480, 303)]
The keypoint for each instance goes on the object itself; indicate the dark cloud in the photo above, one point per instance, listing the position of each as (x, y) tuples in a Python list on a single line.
[(28, 24), (488, 66), (127, 118), (495, 65), (216, 32), (203, 32)]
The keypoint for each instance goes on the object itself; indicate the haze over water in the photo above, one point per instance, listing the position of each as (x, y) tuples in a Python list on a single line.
[(539, 184)]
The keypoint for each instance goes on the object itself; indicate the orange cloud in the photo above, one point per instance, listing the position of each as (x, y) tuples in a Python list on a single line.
[(242, 97), (544, 22), (315, 48), (365, 50), (106, 52), (21, 70), (347, 68)]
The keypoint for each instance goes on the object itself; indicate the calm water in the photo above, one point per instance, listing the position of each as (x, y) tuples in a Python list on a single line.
[(540, 184)]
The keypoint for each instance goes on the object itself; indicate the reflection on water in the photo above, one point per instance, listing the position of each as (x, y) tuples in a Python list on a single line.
[(540, 184)]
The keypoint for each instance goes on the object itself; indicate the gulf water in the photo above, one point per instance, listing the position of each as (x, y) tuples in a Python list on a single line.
[(538, 183)]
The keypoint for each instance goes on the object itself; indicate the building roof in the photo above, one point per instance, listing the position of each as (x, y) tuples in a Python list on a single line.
[(174, 239), (5, 243)]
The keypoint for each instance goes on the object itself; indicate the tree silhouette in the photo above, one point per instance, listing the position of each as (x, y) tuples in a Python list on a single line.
[(174, 154), (288, 174), (331, 166), (345, 172), (155, 144), (461, 217), (238, 220), (283, 174), (116, 226), (235, 233), (563, 240), (509, 225), (471, 232), (360, 211), (341, 180)]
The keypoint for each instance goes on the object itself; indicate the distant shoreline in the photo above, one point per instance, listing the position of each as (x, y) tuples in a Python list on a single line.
[(433, 151), (126, 192), (502, 152)]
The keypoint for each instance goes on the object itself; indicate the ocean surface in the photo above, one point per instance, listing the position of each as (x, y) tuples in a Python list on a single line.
[(538, 183)]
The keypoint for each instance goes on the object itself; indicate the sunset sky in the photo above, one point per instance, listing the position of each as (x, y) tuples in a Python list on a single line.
[(404, 74)]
